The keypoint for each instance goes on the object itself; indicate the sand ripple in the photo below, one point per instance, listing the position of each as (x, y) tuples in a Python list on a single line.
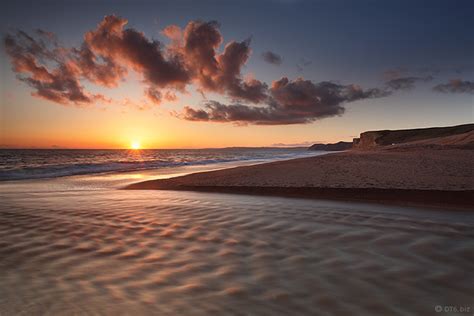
[(171, 253)]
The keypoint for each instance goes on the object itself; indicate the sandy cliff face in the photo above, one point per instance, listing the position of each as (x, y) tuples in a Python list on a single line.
[(375, 139)]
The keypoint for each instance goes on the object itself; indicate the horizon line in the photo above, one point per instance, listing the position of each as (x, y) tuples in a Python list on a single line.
[(197, 148)]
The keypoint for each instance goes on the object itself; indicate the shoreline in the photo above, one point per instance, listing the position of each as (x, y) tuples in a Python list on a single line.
[(459, 200), (405, 176), (212, 165)]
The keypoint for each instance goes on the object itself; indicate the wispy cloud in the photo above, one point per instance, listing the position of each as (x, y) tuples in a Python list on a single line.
[(272, 58), (406, 83), (303, 63), (455, 86)]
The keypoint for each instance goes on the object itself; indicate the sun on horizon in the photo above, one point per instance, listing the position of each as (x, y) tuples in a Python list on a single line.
[(135, 145)]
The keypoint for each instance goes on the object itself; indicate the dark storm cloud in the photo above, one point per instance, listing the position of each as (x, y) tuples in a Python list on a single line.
[(272, 58), (289, 102), (455, 86), (406, 83)]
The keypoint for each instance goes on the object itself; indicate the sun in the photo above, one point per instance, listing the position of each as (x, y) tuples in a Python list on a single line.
[(135, 145)]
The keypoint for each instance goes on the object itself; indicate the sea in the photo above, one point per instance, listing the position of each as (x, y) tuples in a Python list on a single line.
[(21, 164)]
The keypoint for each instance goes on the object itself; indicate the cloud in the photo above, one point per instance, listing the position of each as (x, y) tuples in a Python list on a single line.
[(463, 68), (55, 73), (219, 72), (394, 73), (428, 71), (175, 34), (156, 96), (290, 102), (153, 95), (111, 41), (195, 55), (406, 83), (60, 84), (106, 72), (303, 63), (170, 96), (272, 58), (104, 58), (200, 42), (402, 78), (235, 55), (110, 50), (455, 86)]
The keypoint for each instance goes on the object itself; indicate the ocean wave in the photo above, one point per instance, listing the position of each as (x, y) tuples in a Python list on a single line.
[(71, 169)]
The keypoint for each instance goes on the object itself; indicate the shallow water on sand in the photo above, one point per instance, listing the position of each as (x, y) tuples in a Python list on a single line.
[(108, 251)]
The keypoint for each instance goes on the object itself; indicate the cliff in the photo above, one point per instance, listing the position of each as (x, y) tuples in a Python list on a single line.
[(443, 136)]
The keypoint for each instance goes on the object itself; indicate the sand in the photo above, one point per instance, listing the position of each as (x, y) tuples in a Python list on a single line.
[(117, 252), (402, 174)]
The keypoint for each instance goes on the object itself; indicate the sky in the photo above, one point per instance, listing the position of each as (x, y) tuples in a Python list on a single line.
[(199, 74)]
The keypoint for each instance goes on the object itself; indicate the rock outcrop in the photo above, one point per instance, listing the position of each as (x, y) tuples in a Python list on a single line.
[(332, 147)]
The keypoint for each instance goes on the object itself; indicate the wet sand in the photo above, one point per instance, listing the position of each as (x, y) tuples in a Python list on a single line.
[(418, 176), (183, 253)]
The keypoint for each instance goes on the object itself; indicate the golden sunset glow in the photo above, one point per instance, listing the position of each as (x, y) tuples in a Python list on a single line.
[(176, 98), (135, 145)]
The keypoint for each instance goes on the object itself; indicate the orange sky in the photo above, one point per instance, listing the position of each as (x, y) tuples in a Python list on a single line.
[(312, 93)]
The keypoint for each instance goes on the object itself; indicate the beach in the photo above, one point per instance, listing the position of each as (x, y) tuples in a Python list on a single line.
[(402, 175), (76, 246), (379, 231), (83, 245)]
